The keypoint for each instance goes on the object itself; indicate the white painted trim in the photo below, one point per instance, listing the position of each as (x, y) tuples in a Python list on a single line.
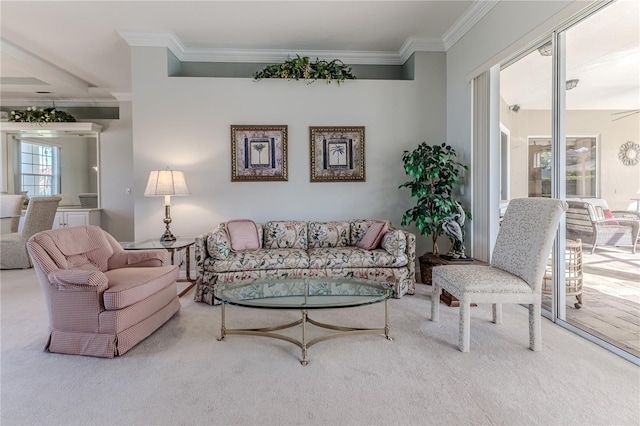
[(169, 40), (60, 127), (475, 13)]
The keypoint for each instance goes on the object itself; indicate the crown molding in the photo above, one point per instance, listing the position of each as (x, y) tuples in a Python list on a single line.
[(416, 44), (58, 127), (476, 11), (169, 40), (123, 96), (276, 55), (17, 101)]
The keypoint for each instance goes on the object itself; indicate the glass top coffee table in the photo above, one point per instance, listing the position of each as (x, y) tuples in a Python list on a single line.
[(304, 294)]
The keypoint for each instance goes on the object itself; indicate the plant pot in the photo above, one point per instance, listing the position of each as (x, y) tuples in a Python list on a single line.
[(425, 268)]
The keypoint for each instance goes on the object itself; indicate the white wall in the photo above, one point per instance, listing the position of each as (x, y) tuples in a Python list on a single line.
[(116, 174), (184, 123), (503, 31), (618, 183)]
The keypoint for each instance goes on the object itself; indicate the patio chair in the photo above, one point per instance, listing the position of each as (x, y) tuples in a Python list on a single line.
[(515, 274), (102, 300), (583, 223), (39, 217)]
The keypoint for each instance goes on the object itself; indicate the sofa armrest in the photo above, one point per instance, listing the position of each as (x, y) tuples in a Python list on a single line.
[(411, 253), (213, 244), (78, 280)]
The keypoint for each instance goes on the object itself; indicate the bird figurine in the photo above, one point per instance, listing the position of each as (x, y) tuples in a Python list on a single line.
[(453, 226)]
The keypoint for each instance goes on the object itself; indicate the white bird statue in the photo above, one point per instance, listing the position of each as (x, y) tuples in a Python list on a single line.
[(453, 227)]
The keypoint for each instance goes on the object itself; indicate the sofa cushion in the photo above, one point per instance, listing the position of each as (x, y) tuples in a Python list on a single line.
[(373, 236), (218, 244), (358, 228), (263, 259), (328, 234), (131, 285), (353, 257), (394, 242), (285, 234), (243, 235)]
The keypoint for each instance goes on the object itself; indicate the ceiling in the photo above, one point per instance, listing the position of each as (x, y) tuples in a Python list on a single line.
[(79, 51), (602, 52), (75, 49)]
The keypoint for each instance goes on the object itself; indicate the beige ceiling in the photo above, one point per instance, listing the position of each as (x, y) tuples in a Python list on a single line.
[(75, 47), (76, 51)]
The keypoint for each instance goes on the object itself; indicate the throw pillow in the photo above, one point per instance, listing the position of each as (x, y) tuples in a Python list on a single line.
[(608, 215), (372, 237), (243, 235)]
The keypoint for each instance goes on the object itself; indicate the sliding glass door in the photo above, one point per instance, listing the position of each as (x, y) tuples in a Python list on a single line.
[(569, 107)]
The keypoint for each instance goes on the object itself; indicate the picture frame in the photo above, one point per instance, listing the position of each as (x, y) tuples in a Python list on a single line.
[(259, 153), (337, 154)]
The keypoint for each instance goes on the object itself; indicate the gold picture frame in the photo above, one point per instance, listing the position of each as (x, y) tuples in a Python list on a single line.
[(337, 154), (258, 153)]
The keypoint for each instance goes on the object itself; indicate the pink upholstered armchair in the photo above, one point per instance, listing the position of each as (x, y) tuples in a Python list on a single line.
[(102, 300)]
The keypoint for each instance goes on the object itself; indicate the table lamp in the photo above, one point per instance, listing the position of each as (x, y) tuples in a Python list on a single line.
[(167, 183)]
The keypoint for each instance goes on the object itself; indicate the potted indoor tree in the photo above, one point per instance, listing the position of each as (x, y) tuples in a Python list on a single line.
[(435, 174)]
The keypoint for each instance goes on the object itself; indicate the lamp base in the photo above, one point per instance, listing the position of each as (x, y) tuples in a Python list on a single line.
[(167, 237)]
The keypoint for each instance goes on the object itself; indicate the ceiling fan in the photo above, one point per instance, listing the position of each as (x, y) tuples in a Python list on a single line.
[(625, 114)]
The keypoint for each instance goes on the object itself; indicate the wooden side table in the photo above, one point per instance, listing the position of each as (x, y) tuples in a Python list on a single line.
[(429, 260)]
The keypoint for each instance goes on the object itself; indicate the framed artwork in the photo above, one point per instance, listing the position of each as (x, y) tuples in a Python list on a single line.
[(337, 154), (258, 153)]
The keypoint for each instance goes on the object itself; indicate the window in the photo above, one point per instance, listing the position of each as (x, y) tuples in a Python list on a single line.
[(581, 169), (39, 169)]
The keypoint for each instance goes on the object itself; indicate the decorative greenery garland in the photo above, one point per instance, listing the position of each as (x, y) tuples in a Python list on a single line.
[(302, 68), (41, 115)]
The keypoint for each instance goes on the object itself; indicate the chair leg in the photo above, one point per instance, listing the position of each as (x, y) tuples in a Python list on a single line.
[(497, 313), (464, 325), (435, 302), (535, 327)]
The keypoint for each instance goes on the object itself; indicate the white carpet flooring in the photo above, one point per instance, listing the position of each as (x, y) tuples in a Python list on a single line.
[(182, 375)]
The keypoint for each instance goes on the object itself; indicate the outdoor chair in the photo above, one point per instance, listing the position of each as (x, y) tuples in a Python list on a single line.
[(583, 222), (102, 300), (39, 217), (515, 274)]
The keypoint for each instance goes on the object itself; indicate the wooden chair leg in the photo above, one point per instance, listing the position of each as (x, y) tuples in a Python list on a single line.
[(464, 325), (435, 302), (497, 313), (535, 327)]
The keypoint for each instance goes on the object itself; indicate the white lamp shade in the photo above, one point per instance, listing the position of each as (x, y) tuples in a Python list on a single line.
[(166, 182)]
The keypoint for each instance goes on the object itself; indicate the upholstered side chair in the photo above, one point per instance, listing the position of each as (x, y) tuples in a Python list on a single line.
[(515, 273), (11, 206), (102, 300), (39, 217)]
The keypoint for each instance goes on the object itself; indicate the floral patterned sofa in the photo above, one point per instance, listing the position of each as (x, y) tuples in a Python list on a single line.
[(302, 249)]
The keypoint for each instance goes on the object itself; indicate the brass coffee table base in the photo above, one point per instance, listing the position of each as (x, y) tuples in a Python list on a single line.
[(304, 344)]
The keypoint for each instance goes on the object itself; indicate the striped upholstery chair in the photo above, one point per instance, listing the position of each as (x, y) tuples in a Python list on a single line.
[(102, 300)]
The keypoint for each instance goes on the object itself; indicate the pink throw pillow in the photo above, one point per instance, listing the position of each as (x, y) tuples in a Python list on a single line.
[(608, 215), (243, 235), (372, 237)]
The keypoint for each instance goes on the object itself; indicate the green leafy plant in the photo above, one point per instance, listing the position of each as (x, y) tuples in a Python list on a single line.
[(41, 115), (435, 173), (302, 68)]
